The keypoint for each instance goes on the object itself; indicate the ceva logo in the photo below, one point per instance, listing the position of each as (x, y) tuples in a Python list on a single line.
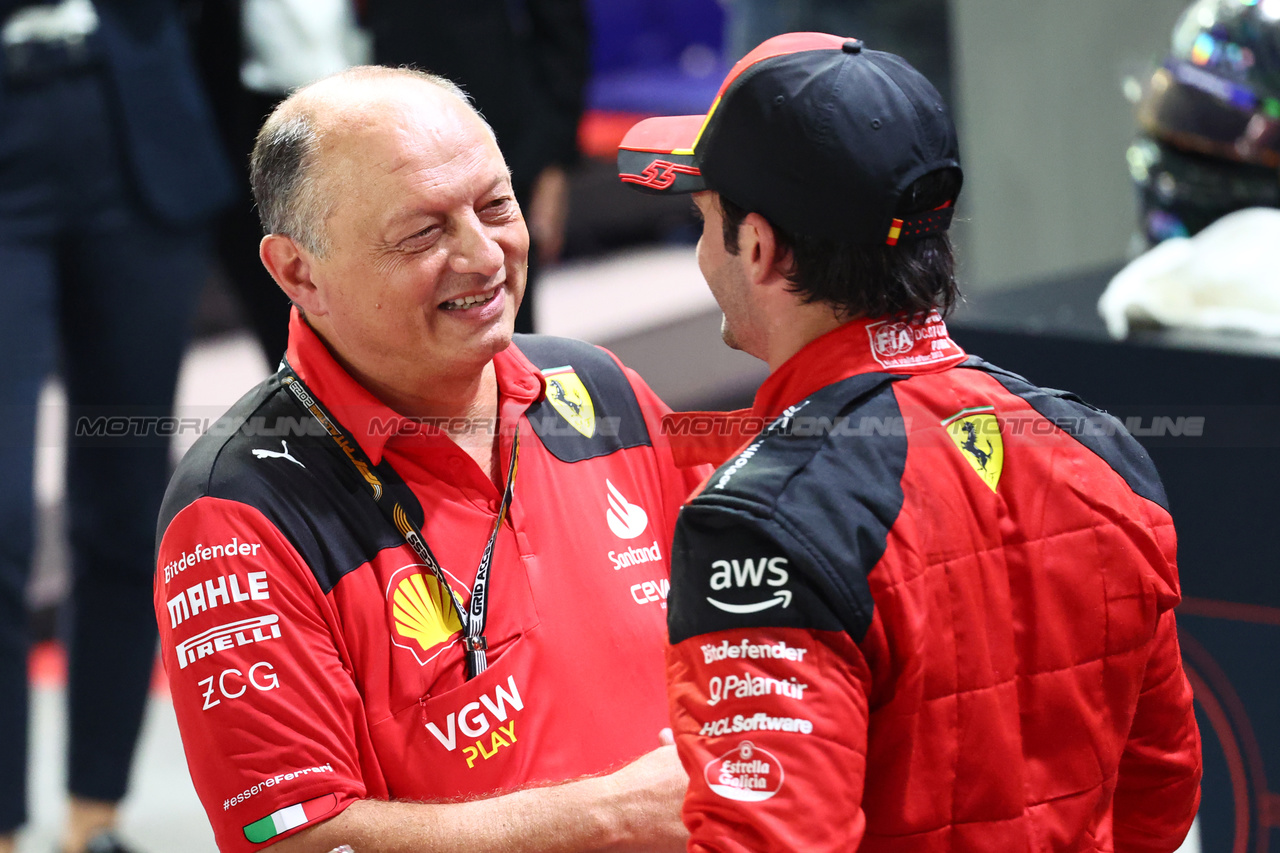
[(626, 520)]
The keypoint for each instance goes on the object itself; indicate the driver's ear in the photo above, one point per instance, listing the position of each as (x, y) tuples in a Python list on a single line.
[(767, 262)]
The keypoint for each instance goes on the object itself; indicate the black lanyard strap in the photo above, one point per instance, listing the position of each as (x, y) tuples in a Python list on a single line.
[(393, 495)]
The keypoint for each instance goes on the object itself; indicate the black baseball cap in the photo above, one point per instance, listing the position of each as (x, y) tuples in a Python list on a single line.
[(815, 132)]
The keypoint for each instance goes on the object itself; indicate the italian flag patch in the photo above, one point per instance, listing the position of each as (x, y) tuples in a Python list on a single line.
[(289, 817)]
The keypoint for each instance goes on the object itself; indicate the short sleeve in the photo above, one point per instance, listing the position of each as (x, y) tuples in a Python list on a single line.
[(269, 715)]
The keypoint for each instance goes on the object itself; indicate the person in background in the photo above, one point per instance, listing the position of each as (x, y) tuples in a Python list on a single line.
[(525, 64), (109, 176), (251, 54), (1210, 121), (411, 589), (929, 606)]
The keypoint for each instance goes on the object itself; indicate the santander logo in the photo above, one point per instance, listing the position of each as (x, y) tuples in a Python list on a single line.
[(626, 520)]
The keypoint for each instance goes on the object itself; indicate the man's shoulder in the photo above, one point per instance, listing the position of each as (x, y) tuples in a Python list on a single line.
[(547, 353), (216, 460), (1095, 430), (849, 427), (590, 407), (269, 457), (537, 347), (814, 496)]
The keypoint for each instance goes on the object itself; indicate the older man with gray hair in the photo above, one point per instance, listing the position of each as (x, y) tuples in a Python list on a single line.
[(388, 590)]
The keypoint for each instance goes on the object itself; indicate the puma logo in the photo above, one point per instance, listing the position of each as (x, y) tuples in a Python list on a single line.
[(273, 454)]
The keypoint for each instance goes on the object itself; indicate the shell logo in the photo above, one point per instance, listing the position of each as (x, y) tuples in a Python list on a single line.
[(421, 612)]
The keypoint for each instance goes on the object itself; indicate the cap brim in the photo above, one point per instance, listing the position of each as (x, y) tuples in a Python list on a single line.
[(656, 156)]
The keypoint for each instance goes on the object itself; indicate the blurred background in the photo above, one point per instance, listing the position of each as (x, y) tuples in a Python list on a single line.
[(1045, 96)]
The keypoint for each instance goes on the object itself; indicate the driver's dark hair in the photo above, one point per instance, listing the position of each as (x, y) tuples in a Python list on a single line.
[(911, 278)]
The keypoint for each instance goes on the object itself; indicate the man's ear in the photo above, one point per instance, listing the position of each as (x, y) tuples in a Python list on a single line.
[(291, 266), (767, 262)]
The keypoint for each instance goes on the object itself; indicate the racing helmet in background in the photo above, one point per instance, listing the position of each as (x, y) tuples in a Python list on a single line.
[(1210, 119)]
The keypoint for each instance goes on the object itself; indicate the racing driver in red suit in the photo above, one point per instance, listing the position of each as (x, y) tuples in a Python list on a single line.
[(927, 606)]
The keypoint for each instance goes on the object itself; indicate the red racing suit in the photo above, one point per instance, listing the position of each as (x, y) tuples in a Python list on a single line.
[(315, 661), (928, 608)]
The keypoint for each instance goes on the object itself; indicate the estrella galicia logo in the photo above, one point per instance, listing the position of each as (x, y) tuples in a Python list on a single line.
[(626, 520), (745, 773), (750, 574)]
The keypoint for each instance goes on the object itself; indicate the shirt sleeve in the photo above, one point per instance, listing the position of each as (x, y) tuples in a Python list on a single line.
[(1158, 791), (768, 696), (267, 709)]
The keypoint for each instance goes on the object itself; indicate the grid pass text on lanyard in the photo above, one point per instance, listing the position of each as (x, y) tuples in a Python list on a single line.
[(474, 617)]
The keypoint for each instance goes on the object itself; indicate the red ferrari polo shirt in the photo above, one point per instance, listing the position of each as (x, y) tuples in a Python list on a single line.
[(314, 661)]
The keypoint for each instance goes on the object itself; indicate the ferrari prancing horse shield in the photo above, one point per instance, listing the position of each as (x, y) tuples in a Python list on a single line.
[(976, 434), (569, 397)]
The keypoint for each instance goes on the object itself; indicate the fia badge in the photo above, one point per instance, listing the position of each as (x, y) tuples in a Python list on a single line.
[(906, 344), (568, 396), (976, 434)]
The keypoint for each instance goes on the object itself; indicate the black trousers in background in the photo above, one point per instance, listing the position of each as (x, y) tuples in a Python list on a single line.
[(93, 288)]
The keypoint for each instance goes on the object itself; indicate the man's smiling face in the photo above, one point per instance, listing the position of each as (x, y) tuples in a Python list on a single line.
[(427, 248)]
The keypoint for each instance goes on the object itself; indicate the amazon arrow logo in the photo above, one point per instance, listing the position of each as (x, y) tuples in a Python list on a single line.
[(782, 596), (748, 573)]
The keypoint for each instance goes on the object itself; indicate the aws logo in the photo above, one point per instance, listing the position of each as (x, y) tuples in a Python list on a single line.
[(421, 616), (744, 574), (568, 396)]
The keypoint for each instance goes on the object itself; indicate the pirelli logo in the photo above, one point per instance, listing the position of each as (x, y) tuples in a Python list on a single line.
[(228, 636)]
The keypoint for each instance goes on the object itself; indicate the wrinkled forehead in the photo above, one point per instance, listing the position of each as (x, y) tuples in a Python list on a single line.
[(403, 120), (417, 139)]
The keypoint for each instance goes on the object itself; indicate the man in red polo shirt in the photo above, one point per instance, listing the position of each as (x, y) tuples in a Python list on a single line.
[(928, 606), (420, 563)]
